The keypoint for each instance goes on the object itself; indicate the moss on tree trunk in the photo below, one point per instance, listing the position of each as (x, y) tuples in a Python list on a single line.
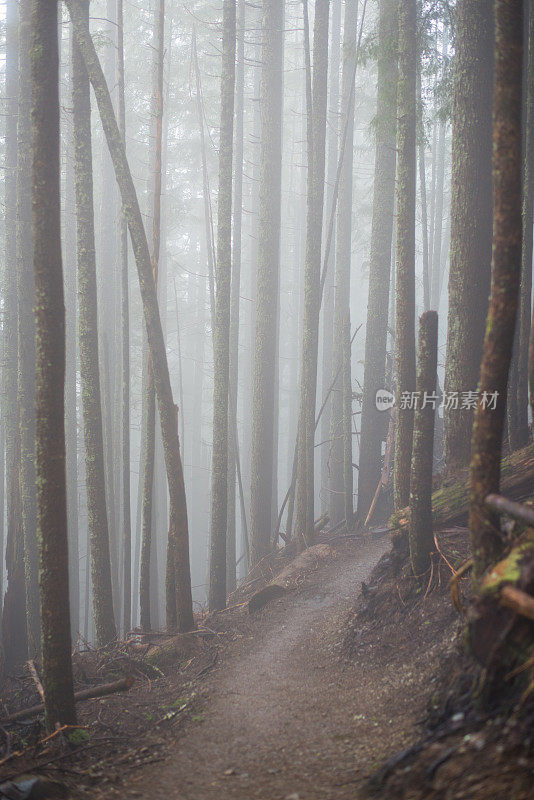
[(487, 543)]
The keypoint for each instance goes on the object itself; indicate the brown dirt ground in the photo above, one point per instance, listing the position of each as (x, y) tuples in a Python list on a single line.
[(303, 700)]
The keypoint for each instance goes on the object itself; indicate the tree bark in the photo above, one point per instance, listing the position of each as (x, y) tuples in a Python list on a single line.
[(26, 334), (373, 425), (9, 287), (341, 484), (471, 218), (312, 279), (221, 337), (487, 544), (420, 536), (233, 443), (334, 129), (405, 279), (264, 403), (50, 367), (125, 353)]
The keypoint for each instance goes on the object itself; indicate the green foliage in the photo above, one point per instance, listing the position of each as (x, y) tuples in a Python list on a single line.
[(78, 736)]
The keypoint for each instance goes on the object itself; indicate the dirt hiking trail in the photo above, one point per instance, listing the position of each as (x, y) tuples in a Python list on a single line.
[(283, 715)]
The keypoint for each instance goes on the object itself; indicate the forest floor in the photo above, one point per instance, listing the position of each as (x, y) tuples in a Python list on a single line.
[(304, 699)]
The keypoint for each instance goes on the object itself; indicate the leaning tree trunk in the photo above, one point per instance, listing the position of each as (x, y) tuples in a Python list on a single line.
[(405, 278), (312, 276), (88, 345), (268, 268), (160, 367), (50, 368), (221, 333), (487, 543), (471, 219), (340, 483), (373, 425)]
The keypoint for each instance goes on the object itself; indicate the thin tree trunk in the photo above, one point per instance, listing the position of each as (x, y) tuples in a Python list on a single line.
[(171, 445), (420, 535), (221, 333), (71, 391), (335, 127), (405, 281), (88, 343), (341, 483), (50, 368), (314, 224), (125, 341), (522, 433), (487, 544), (264, 402), (373, 425), (422, 189), (234, 302)]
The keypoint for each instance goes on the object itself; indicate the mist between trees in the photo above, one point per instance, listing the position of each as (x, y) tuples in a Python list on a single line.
[(256, 203)]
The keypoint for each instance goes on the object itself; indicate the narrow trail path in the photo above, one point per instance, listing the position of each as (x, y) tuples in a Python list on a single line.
[(284, 716)]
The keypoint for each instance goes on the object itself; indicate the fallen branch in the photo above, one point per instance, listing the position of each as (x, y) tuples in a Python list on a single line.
[(509, 507), (85, 694), (518, 601)]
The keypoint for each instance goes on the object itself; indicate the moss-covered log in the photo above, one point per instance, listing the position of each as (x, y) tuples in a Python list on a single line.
[(450, 503)]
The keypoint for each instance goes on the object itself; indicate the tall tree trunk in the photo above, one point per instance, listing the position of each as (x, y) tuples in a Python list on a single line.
[(125, 342), (339, 487), (420, 535), (422, 189), (268, 276), (405, 280), (471, 218), (150, 431), (373, 425), (50, 368), (71, 390), (333, 132), (522, 434), (234, 302), (487, 544), (314, 224), (9, 327), (178, 509), (26, 329), (221, 333), (104, 617), (107, 286)]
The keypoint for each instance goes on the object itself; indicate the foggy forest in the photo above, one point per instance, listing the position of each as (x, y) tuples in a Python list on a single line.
[(267, 399)]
